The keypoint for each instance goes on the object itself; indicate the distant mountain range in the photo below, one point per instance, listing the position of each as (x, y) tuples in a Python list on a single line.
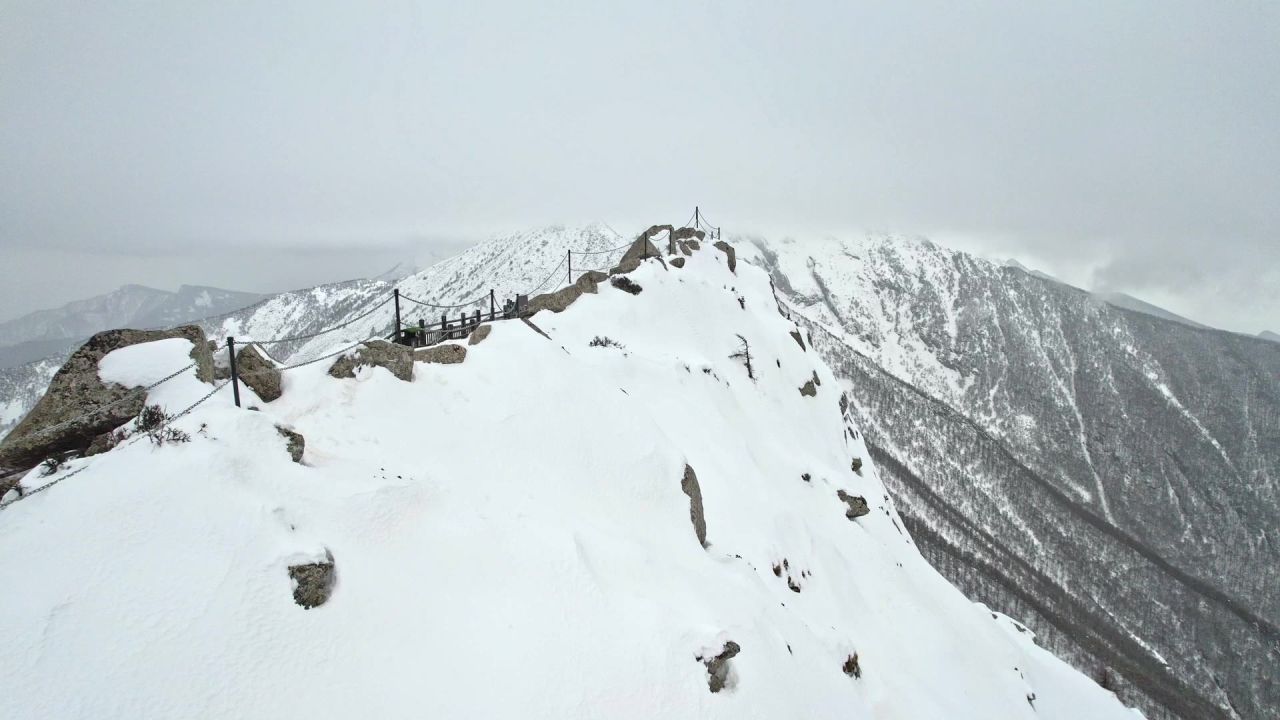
[(54, 332)]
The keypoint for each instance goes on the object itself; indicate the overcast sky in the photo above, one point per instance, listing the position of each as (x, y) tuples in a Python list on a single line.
[(1123, 146)]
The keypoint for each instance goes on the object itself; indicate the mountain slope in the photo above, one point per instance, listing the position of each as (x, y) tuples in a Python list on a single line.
[(1031, 428), (512, 537)]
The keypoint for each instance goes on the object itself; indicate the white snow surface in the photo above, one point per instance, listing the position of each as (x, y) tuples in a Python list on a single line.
[(511, 541)]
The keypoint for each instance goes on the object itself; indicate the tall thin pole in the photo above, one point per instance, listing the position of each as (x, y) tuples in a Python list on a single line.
[(569, 255), (493, 308), (697, 216), (397, 296), (235, 380)]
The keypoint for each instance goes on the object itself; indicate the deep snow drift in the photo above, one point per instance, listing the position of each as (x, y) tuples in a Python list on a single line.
[(511, 539)]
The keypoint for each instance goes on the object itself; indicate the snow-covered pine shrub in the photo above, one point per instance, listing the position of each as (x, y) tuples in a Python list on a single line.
[(744, 354), (154, 421), (625, 284), (605, 341)]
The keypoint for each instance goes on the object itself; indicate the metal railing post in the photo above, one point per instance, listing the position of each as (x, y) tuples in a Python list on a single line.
[(569, 255), (493, 313), (397, 296), (235, 379)]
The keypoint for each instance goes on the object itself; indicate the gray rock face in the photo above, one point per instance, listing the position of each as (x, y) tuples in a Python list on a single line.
[(808, 389), (561, 299), (313, 582), (687, 232), (479, 334), (795, 335), (730, 253), (1040, 444), (76, 390), (398, 359), (294, 443), (677, 262), (639, 250), (857, 504), (718, 666), (689, 484), (258, 373), (444, 354)]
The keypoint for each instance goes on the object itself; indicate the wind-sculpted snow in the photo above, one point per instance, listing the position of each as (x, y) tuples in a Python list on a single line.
[(1110, 475), (512, 536)]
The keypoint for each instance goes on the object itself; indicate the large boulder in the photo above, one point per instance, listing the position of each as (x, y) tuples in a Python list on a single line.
[(257, 371), (685, 233), (59, 424), (480, 334), (442, 354), (397, 359)]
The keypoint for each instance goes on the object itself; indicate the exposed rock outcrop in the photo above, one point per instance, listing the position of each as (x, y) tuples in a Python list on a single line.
[(856, 465), (677, 262), (808, 389), (313, 582), (557, 301), (730, 253), (689, 484), (294, 443), (857, 504), (685, 233), (718, 666), (57, 423), (397, 359), (259, 373), (626, 284), (639, 250), (442, 354)]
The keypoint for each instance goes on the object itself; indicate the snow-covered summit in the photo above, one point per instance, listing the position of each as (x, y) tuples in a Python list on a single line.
[(511, 537)]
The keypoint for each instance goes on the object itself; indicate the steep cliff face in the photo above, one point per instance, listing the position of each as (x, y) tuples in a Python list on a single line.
[(1124, 464)]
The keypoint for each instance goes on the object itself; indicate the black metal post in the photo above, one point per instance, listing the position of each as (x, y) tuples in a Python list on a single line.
[(397, 295), (569, 255), (235, 379), (493, 311), (697, 216)]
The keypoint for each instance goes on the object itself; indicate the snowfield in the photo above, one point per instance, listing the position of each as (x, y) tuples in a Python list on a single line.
[(511, 540)]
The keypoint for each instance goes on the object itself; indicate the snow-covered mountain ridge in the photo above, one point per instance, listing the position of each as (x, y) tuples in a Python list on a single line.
[(1038, 437), (511, 537)]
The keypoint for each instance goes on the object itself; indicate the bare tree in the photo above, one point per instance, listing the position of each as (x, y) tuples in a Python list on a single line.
[(744, 354)]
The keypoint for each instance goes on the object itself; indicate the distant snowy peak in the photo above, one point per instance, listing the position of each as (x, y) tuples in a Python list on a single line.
[(1268, 335), (128, 306)]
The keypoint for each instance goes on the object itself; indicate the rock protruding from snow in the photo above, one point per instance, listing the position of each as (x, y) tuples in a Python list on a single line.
[(730, 253), (446, 354), (689, 484), (718, 666), (313, 582), (259, 373), (397, 359), (795, 335), (639, 250), (58, 423), (294, 442), (479, 334), (808, 389), (561, 299), (857, 504), (677, 262)]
